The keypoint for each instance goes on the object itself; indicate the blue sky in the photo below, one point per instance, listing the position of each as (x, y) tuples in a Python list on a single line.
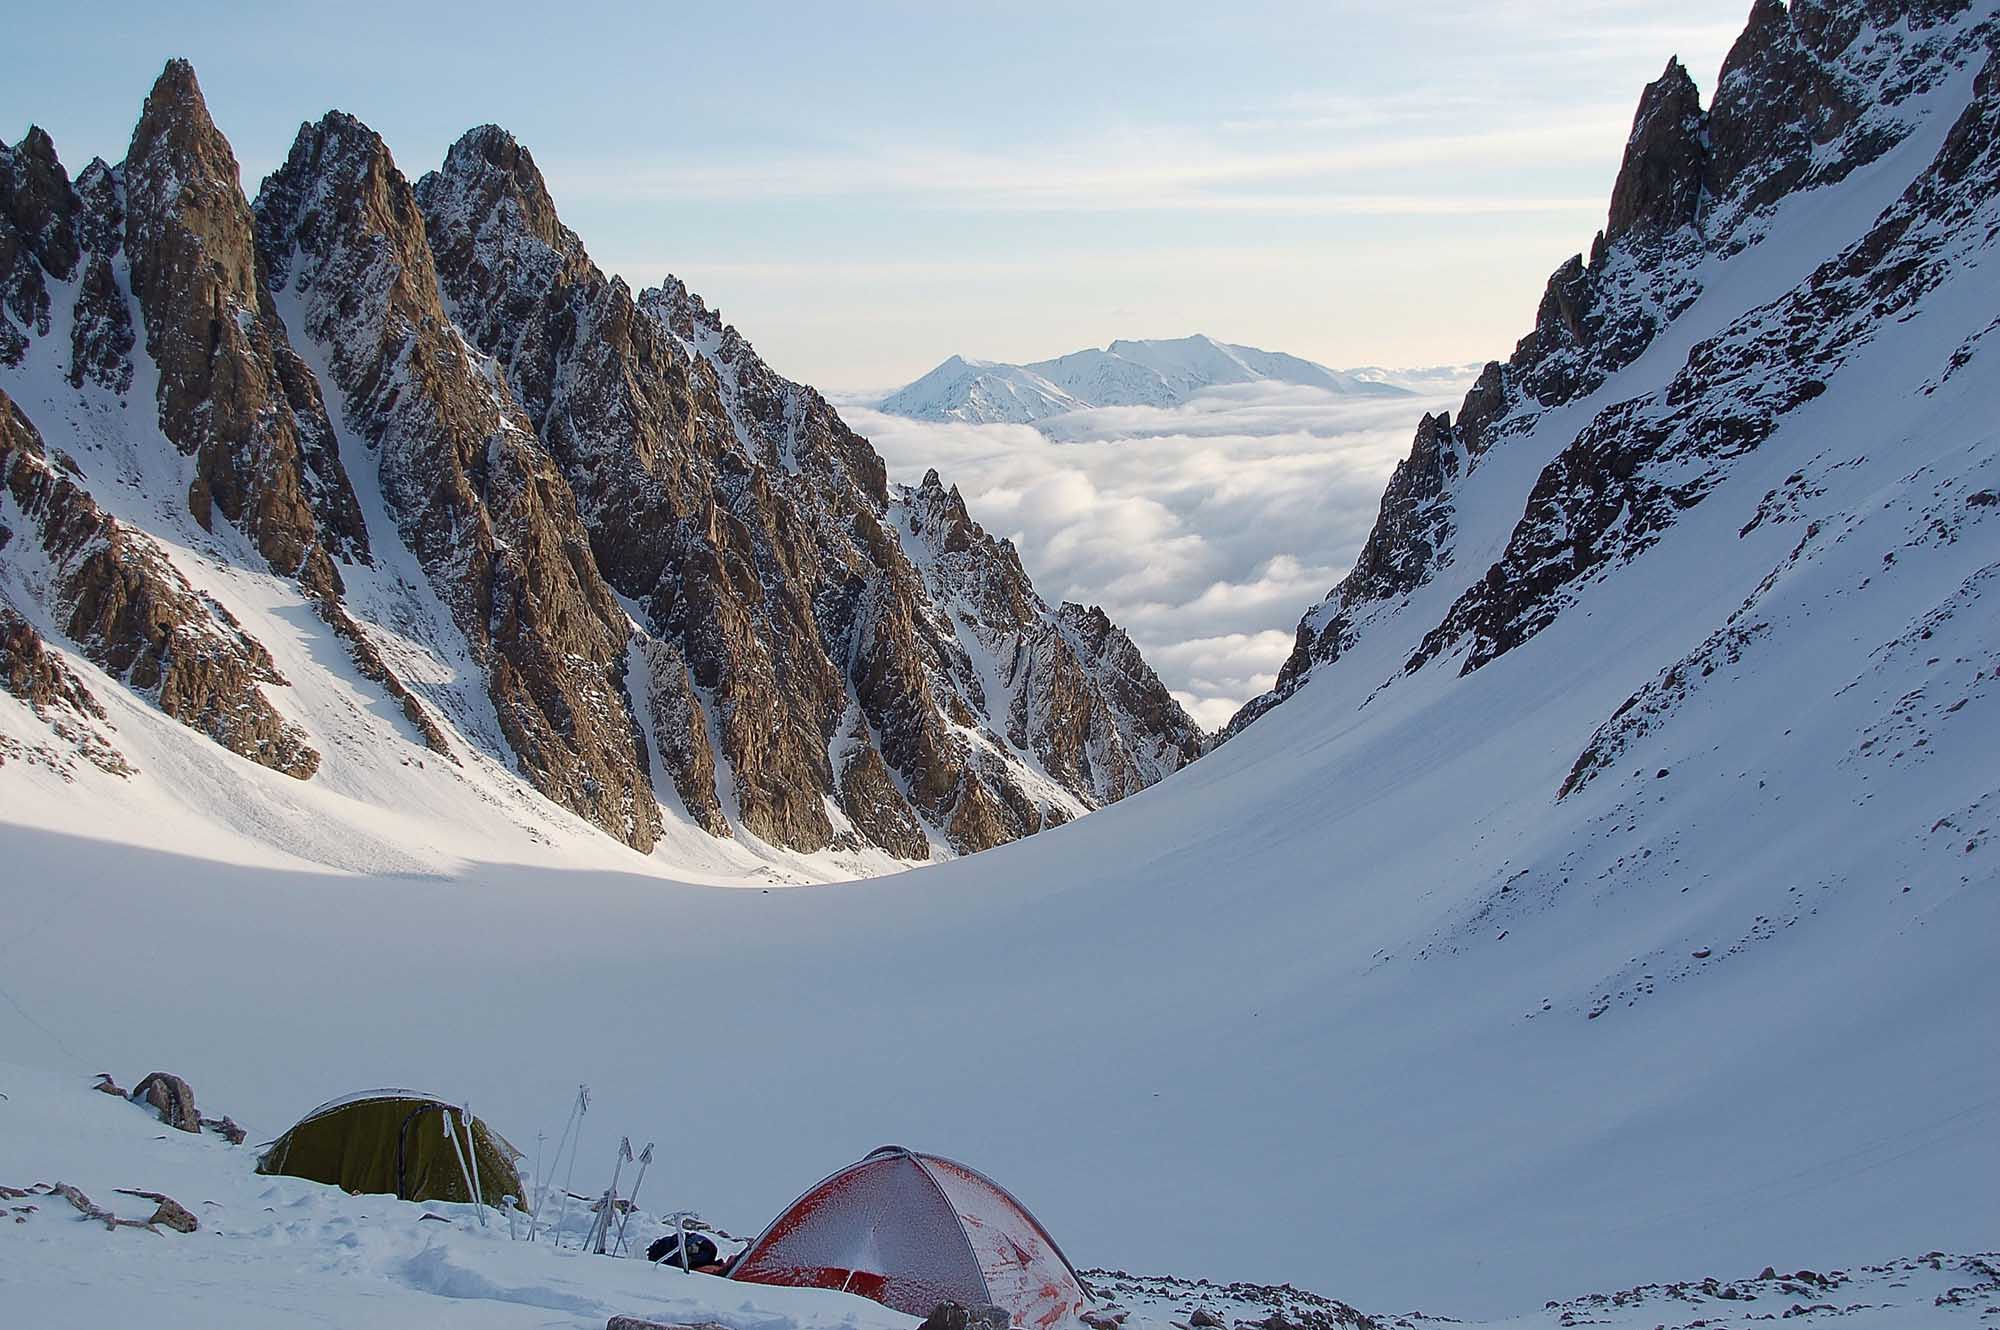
[(866, 188)]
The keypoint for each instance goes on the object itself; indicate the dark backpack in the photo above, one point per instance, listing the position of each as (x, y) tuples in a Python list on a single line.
[(700, 1250)]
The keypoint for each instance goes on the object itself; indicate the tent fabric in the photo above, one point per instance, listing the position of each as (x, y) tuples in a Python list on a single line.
[(393, 1142), (912, 1230)]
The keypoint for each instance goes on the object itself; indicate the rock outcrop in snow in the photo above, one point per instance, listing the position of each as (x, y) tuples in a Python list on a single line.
[(1807, 96), (117, 597), (587, 533)]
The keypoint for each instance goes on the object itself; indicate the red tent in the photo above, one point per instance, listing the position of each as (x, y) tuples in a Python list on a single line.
[(913, 1230)]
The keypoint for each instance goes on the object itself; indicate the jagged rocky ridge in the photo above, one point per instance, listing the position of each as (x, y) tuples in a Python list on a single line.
[(1808, 95), (677, 584)]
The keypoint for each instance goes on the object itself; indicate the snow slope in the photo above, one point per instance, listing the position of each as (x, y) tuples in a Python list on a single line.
[(1156, 373), (1357, 1000), (274, 1252)]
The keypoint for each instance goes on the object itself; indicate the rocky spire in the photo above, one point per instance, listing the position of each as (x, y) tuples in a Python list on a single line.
[(472, 492), (38, 240), (806, 666), (231, 391), (101, 335), (1659, 184)]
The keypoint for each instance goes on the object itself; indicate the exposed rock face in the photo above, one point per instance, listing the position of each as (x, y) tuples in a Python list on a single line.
[(1069, 682), (680, 733), (1157, 730), (31, 672), (101, 337), (1659, 186), (122, 601), (37, 239), (654, 548), (1806, 97), (758, 534), (1627, 476), (42, 680), (1411, 539), (475, 496), (231, 391)]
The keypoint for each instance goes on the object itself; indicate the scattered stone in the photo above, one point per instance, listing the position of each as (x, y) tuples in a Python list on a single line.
[(91, 1210), (227, 1127), (956, 1316), (1702, 954), (1204, 1319), (639, 1323), (105, 1085), (172, 1097), (167, 1211)]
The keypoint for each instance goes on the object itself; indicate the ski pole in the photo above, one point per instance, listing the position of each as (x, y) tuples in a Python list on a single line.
[(472, 1146), (542, 1187), (601, 1230), (562, 1207), (463, 1171), (645, 1158)]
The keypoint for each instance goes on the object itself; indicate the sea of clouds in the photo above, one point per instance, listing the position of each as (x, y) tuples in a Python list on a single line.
[(1205, 529)]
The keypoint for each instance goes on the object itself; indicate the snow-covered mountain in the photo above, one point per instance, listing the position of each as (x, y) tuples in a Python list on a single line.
[(1421, 378), (516, 516), (1609, 896), (1157, 373)]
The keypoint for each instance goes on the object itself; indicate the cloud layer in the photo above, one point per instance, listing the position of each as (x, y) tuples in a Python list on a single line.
[(1205, 530)]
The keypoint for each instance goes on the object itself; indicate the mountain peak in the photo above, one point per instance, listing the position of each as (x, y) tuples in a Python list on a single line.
[(177, 82), (486, 166), (1659, 186), (1160, 372)]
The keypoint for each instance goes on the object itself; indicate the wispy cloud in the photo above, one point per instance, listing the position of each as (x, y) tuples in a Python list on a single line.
[(1121, 169)]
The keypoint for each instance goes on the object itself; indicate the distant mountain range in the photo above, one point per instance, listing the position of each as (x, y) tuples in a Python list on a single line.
[(1160, 372), (463, 517)]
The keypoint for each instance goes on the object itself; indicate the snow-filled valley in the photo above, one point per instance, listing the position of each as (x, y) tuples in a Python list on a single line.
[(1604, 908)]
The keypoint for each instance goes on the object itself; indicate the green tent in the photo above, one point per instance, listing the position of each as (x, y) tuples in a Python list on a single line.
[(396, 1142)]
